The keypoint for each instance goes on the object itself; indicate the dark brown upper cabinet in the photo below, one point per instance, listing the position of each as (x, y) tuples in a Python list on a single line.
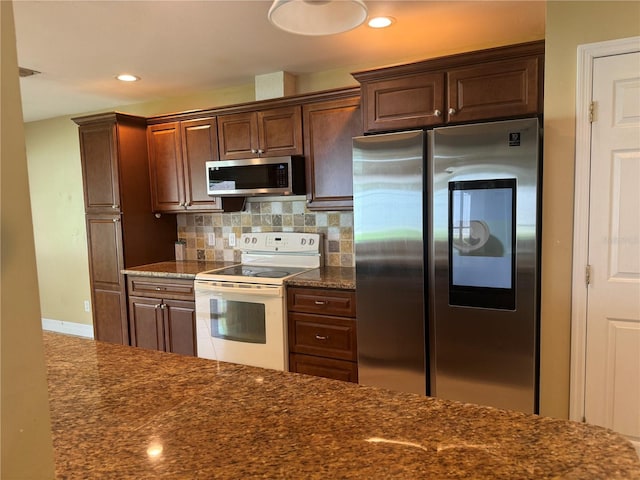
[(264, 133), (329, 127), (488, 84), (178, 152)]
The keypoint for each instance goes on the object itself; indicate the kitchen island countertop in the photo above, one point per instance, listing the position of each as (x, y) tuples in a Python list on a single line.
[(128, 413)]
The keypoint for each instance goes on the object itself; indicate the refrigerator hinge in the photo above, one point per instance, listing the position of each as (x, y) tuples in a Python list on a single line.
[(587, 274), (592, 111)]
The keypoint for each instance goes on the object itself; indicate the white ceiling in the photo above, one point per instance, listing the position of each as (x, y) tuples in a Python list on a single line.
[(183, 47)]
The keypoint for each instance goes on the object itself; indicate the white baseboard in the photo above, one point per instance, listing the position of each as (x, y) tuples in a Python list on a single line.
[(68, 328)]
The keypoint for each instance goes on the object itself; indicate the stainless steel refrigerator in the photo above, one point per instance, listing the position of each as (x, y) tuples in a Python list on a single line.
[(388, 219), (446, 249)]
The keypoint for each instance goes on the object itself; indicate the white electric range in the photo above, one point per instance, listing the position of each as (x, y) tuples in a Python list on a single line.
[(241, 310)]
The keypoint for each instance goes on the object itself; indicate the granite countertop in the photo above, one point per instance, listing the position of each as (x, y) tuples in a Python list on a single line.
[(128, 413), (325, 277), (175, 269)]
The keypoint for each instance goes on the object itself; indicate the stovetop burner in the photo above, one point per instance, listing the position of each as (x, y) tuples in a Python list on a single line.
[(254, 271)]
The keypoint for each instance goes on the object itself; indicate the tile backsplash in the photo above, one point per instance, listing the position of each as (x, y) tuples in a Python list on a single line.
[(287, 215)]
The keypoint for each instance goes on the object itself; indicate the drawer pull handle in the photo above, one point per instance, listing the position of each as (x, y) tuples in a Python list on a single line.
[(322, 338), (320, 302)]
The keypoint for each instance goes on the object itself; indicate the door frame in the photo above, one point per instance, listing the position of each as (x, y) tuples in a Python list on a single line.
[(587, 53)]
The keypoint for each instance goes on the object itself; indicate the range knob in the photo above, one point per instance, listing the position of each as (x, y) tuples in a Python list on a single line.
[(254, 240), (247, 239), (311, 241), (303, 241)]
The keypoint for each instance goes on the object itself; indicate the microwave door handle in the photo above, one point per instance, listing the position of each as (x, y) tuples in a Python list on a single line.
[(235, 288)]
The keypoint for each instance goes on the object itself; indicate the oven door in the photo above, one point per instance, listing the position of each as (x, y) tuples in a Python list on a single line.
[(241, 323)]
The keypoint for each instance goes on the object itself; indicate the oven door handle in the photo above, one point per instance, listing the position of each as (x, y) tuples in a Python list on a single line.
[(238, 288)]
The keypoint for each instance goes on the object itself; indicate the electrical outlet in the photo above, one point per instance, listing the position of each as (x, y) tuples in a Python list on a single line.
[(232, 239), (211, 239), (87, 306)]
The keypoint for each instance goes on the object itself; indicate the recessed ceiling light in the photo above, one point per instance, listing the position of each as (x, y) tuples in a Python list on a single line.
[(127, 77), (381, 22)]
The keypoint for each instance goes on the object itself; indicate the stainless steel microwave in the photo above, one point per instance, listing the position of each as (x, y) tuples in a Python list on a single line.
[(256, 176)]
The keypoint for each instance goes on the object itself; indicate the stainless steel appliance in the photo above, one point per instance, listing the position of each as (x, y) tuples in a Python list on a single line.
[(240, 310), (388, 229), (447, 262), (484, 286), (256, 176)]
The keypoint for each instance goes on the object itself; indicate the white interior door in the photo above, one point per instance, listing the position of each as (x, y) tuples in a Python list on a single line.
[(612, 361)]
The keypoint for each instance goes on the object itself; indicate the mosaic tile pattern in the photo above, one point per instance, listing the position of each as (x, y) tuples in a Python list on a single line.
[(266, 216)]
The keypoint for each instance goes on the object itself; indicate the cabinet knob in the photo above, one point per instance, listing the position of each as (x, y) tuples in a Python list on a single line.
[(159, 305), (260, 151), (187, 204), (452, 111), (322, 338), (116, 220), (115, 207), (163, 306), (181, 204), (253, 150), (437, 113)]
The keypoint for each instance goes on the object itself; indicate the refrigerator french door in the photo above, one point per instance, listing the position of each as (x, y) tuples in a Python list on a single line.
[(388, 219), (483, 263)]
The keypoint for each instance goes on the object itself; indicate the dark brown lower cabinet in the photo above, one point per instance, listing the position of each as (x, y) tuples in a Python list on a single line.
[(158, 320), (322, 333), (104, 237), (324, 367)]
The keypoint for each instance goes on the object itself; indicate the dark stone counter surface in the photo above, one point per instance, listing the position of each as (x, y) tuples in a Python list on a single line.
[(175, 269), (325, 277), (119, 412)]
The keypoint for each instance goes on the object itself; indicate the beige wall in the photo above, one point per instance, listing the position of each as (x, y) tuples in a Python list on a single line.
[(569, 24), (27, 449)]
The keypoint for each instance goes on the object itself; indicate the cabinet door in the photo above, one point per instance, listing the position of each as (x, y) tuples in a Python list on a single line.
[(180, 327), (328, 131), (109, 316), (280, 132), (238, 136), (146, 323), (199, 145), (404, 103), (165, 167), (104, 238), (494, 90), (99, 159)]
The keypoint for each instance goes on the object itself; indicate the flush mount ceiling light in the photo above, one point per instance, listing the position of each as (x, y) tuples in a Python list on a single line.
[(381, 22), (127, 77), (317, 17)]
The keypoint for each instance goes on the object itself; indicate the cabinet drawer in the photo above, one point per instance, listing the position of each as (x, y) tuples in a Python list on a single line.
[(326, 302), (169, 288), (324, 367), (332, 337)]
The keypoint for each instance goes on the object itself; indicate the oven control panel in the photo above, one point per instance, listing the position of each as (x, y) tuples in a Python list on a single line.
[(291, 242)]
